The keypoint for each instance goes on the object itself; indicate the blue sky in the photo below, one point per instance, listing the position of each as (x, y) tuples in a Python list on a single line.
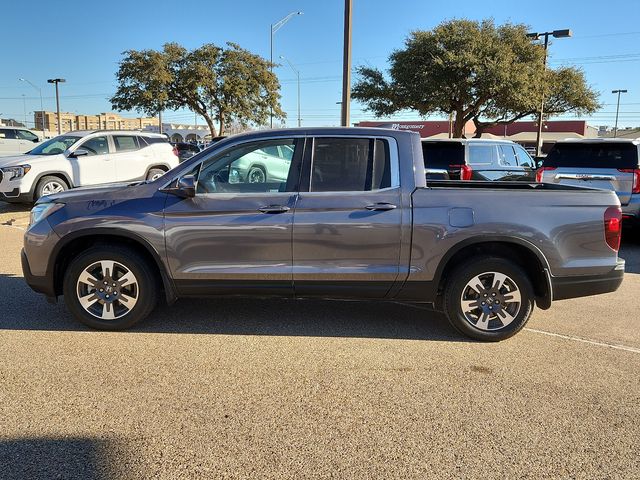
[(82, 41)]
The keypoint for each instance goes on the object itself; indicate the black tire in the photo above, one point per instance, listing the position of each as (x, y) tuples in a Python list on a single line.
[(146, 292), (504, 298), (155, 172), (48, 181), (257, 174)]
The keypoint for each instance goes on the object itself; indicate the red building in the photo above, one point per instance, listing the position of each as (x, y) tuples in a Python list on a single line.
[(524, 133)]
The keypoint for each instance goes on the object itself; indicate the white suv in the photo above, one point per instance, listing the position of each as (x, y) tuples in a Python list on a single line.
[(16, 140), (85, 158)]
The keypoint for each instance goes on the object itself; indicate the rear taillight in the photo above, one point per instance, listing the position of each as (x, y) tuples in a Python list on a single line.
[(465, 171), (540, 171), (175, 151), (636, 178), (613, 227)]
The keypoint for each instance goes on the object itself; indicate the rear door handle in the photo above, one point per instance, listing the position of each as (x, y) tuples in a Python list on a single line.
[(381, 206), (274, 209)]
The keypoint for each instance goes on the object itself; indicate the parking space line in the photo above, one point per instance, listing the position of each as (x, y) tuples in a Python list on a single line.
[(585, 340)]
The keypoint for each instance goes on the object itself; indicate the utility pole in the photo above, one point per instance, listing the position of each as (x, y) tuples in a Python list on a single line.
[(297, 72), (56, 81), (274, 27), (346, 67), (615, 129), (41, 107), (536, 36)]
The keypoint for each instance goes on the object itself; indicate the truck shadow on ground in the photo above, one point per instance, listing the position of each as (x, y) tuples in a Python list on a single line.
[(69, 458), (23, 309)]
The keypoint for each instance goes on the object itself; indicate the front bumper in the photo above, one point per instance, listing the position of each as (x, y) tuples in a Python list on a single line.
[(586, 285), (41, 284)]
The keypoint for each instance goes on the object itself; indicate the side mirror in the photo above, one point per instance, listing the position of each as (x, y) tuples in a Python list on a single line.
[(36, 140), (187, 186), (81, 152)]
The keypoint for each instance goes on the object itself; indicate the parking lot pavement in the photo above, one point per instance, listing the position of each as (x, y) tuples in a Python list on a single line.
[(270, 388)]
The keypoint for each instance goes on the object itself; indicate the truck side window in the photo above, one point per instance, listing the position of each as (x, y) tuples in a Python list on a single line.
[(257, 167), (350, 165)]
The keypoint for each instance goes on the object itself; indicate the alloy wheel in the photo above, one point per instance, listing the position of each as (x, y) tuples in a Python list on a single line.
[(490, 301), (52, 187), (107, 290)]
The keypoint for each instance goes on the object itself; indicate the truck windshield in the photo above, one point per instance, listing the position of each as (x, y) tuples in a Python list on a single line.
[(593, 155), (442, 154), (55, 145)]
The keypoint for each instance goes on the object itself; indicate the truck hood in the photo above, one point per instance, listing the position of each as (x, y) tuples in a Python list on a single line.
[(107, 192)]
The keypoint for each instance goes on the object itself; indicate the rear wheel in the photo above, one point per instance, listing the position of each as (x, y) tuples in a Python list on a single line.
[(110, 288), (49, 185), (257, 175), (488, 299)]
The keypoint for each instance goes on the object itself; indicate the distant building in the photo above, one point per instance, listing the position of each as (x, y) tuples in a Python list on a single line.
[(10, 122), (181, 132), (524, 133), (48, 121)]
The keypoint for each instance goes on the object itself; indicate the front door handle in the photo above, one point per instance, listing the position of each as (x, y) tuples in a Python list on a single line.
[(274, 209), (381, 206)]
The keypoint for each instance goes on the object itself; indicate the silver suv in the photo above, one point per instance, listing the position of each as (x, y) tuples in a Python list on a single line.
[(610, 164)]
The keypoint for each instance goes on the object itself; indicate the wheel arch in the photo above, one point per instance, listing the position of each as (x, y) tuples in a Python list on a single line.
[(77, 242), (520, 251), (52, 173), (161, 166)]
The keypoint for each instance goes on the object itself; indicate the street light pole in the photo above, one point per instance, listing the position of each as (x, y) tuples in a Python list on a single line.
[(41, 104), (346, 66), (24, 109), (272, 31), (297, 72), (615, 129), (56, 81), (536, 36)]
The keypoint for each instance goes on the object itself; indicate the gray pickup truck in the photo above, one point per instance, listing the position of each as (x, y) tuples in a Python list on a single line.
[(354, 218)]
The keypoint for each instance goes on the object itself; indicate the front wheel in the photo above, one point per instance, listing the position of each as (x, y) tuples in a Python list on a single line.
[(49, 185), (488, 299), (110, 288), (154, 174)]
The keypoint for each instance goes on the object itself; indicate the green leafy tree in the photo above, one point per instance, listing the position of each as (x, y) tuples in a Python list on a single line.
[(144, 79), (225, 85), (476, 71)]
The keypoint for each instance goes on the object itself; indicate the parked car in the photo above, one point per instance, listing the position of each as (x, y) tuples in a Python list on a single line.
[(479, 159), (85, 158), (353, 219), (186, 150), (612, 164), (16, 140)]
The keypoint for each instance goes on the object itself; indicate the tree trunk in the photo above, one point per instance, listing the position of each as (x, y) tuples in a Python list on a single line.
[(212, 128), (221, 121), (458, 125)]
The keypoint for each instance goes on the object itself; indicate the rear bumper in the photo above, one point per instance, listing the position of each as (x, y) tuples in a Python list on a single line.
[(585, 285)]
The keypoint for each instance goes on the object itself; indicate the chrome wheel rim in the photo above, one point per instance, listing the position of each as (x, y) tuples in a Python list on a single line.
[(490, 301), (156, 176), (107, 290), (52, 187), (256, 175)]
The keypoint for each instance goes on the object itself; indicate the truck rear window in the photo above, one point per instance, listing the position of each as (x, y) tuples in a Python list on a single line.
[(442, 154), (593, 155)]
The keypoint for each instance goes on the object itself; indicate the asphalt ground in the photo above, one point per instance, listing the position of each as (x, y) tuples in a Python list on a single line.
[(283, 389)]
